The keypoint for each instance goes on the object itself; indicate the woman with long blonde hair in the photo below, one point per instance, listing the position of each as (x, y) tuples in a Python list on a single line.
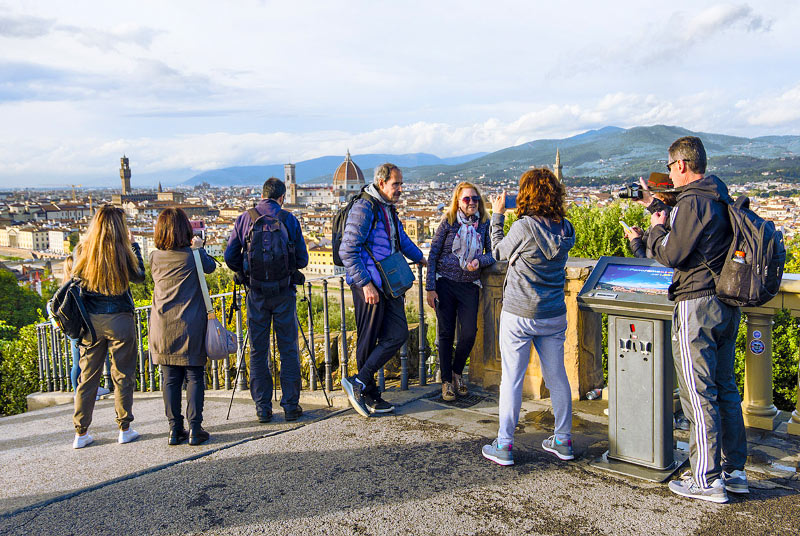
[(106, 262), (460, 248)]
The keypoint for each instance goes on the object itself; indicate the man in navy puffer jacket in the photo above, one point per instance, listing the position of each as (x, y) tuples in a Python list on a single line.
[(380, 320)]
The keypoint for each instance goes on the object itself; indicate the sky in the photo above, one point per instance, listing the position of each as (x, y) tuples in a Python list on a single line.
[(198, 85)]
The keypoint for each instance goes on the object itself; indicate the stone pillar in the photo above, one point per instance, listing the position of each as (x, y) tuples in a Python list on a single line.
[(582, 350), (793, 427), (757, 408)]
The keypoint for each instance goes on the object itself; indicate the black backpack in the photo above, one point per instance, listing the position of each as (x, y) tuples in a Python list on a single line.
[(69, 313), (270, 264), (755, 279), (340, 220)]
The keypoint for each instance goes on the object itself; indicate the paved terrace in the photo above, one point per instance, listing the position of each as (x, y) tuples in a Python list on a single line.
[(334, 472)]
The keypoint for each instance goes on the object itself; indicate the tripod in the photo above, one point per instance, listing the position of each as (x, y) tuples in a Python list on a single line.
[(240, 354)]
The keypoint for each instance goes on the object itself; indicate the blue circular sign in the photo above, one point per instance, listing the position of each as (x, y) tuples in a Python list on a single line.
[(756, 334), (757, 347)]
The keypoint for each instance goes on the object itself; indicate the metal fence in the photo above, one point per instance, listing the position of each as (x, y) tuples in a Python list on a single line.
[(55, 357)]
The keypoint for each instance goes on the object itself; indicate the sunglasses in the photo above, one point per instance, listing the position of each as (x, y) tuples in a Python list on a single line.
[(473, 198), (669, 165)]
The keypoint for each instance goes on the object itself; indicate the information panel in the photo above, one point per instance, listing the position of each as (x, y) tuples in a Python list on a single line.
[(623, 285)]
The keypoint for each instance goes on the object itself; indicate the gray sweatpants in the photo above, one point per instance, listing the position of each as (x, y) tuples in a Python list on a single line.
[(547, 335), (703, 346)]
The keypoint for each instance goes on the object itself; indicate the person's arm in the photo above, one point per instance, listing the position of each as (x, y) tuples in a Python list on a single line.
[(657, 205), (485, 259), (233, 255), (356, 232), (503, 247), (433, 257), (209, 264), (407, 246), (300, 249), (671, 248), (137, 273)]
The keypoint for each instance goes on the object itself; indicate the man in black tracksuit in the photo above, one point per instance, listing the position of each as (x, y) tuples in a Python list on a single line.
[(703, 328)]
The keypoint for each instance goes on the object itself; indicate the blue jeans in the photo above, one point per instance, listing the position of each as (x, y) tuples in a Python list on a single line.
[(547, 335), (281, 311), (75, 372)]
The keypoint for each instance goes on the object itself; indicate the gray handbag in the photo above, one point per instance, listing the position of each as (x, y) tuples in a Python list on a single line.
[(219, 341)]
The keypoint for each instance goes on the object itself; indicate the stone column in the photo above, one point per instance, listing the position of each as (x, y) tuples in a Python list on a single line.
[(757, 408)]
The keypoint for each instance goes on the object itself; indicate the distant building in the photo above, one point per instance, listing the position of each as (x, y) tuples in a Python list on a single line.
[(127, 196), (320, 263), (347, 180), (557, 167)]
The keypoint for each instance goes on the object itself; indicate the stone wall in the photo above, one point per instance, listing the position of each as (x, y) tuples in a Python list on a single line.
[(582, 352)]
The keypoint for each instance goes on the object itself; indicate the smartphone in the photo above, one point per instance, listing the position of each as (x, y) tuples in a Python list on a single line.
[(625, 226), (511, 200)]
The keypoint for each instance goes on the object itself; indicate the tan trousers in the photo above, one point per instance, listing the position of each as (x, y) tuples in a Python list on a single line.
[(116, 333)]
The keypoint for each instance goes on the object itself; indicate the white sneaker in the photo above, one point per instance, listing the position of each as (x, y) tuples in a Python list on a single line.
[(82, 441), (126, 436), (736, 481), (102, 391)]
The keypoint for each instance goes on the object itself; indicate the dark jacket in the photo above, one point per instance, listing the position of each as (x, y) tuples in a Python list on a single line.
[(536, 250), (444, 263), (178, 318), (358, 232), (104, 304), (235, 252), (700, 233), (639, 245)]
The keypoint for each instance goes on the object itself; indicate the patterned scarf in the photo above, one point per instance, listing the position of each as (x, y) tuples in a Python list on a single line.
[(467, 244)]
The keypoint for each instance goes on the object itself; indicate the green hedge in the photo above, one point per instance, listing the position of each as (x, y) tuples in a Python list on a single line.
[(19, 370)]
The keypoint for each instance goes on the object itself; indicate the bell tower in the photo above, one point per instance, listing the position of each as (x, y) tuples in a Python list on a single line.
[(125, 175), (291, 184), (558, 166)]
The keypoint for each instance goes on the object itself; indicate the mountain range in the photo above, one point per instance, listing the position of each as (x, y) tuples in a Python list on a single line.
[(607, 154)]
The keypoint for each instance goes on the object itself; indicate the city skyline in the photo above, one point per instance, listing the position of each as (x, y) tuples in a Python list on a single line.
[(194, 86)]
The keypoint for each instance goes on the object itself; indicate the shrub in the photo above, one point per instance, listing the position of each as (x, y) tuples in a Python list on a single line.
[(19, 370)]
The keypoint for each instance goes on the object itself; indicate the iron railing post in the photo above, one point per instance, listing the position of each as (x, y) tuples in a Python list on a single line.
[(343, 311), (142, 379), (423, 373), (39, 336), (327, 331), (242, 382), (404, 366), (226, 363), (151, 366), (312, 360)]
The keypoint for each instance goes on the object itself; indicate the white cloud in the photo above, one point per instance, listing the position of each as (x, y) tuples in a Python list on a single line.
[(778, 110)]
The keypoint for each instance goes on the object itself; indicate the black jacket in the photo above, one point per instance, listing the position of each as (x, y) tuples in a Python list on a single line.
[(700, 233)]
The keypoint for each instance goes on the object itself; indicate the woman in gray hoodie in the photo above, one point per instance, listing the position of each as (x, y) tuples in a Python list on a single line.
[(534, 310)]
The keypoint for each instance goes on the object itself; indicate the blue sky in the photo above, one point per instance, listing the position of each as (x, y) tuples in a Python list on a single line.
[(200, 85)]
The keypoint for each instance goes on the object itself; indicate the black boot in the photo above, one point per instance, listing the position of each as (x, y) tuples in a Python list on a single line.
[(177, 436), (197, 435)]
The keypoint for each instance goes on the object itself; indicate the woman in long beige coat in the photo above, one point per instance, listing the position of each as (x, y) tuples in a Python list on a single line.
[(178, 322)]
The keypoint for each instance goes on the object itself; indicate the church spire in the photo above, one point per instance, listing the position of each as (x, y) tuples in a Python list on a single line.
[(557, 167)]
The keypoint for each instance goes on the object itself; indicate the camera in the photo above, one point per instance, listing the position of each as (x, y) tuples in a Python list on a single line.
[(630, 191)]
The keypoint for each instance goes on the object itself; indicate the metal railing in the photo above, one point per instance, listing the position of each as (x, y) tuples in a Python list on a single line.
[(55, 358)]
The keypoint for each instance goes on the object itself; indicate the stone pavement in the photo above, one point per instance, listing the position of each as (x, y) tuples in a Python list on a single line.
[(334, 472)]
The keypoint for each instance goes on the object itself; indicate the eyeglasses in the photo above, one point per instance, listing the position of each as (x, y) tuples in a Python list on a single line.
[(474, 198), (669, 165)]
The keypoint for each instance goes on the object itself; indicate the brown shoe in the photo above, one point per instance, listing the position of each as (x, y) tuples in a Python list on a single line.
[(448, 394), (459, 385)]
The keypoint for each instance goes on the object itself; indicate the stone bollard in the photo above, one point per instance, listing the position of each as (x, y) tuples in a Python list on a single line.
[(758, 410)]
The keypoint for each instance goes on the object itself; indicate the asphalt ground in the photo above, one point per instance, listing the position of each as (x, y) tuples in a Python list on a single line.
[(418, 471)]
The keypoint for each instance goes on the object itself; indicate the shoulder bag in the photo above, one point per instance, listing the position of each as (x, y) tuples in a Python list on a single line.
[(219, 341)]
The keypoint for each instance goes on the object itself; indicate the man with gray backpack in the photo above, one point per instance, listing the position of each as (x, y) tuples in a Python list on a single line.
[(266, 250), (707, 231)]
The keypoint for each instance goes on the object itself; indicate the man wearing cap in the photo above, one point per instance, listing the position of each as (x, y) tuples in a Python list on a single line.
[(658, 194), (703, 328)]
